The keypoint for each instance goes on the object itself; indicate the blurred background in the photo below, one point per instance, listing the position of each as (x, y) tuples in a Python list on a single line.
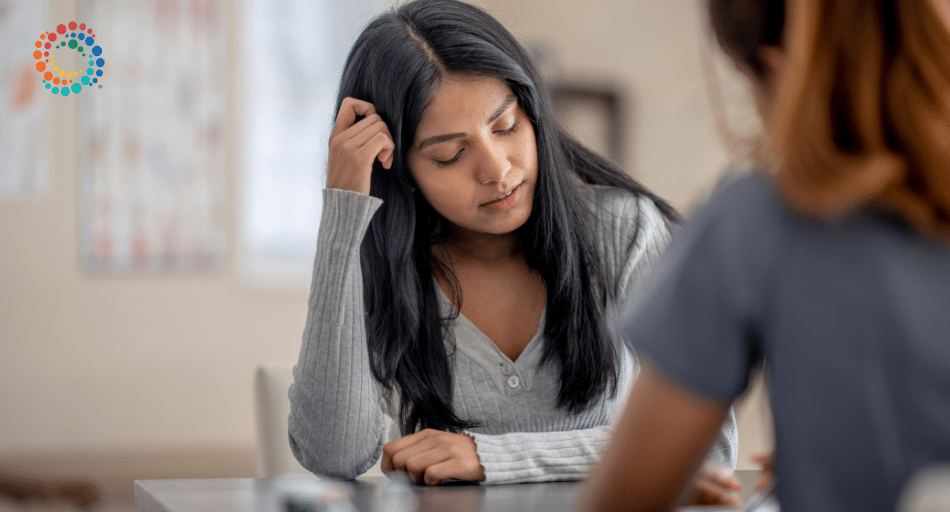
[(156, 233)]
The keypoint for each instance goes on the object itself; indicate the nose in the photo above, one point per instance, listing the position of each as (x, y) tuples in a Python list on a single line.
[(493, 164)]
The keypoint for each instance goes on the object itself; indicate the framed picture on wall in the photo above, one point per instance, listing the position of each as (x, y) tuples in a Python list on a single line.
[(595, 114)]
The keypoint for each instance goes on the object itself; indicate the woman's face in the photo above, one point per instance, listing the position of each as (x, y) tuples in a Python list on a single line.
[(475, 157)]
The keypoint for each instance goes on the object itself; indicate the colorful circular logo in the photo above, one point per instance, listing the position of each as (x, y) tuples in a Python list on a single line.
[(72, 37)]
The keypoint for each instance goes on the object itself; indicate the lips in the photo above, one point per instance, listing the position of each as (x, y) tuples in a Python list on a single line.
[(506, 195), (507, 201)]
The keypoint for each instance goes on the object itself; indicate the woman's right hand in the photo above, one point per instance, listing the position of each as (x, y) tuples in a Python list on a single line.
[(716, 485), (354, 145)]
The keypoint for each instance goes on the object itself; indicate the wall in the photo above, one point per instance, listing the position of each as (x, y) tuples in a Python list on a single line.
[(94, 364)]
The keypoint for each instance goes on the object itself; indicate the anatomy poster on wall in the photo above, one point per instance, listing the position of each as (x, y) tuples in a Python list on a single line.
[(152, 138), (24, 107)]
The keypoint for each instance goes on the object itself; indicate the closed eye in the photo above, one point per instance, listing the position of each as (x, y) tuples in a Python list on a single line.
[(509, 131), (446, 163)]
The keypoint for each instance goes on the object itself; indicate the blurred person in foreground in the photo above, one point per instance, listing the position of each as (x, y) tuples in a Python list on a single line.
[(833, 266)]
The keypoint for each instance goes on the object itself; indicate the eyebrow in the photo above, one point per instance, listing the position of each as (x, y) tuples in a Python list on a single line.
[(438, 139)]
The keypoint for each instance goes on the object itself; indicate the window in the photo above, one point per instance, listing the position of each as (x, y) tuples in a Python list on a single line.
[(294, 55)]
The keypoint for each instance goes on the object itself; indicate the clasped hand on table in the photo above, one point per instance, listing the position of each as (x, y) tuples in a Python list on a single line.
[(430, 456)]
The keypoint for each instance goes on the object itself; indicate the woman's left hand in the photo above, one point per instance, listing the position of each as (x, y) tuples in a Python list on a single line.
[(430, 456), (716, 486), (767, 461)]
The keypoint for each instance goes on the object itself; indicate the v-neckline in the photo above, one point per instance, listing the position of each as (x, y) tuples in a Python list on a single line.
[(444, 300)]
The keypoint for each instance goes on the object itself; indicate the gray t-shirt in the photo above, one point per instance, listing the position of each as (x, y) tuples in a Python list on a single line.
[(852, 318)]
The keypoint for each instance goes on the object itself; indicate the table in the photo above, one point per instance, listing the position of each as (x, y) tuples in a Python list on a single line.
[(259, 495)]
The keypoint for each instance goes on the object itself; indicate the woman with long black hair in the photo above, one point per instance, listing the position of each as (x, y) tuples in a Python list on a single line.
[(471, 261)]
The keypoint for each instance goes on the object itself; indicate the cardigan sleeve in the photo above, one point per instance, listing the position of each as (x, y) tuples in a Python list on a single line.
[(540, 456), (570, 455), (336, 424)]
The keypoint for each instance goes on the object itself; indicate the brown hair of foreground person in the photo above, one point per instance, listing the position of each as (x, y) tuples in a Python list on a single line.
[(861, 115)]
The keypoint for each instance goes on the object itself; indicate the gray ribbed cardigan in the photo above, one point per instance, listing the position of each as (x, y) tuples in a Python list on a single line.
[(337, 423)]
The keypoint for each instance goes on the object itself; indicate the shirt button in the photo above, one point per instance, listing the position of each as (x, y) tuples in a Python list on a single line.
[(506, 368), (513, 381)]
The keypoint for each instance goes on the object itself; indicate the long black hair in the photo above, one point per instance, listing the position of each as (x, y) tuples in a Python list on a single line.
[(396, 64)]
